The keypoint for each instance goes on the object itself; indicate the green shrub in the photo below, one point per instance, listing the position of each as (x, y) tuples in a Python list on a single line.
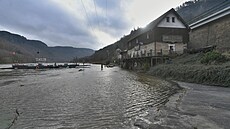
[(146, 66), (211, 75), (213, 57)]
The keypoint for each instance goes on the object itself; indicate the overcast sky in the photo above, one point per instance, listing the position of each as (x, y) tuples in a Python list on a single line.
[(79, 23)]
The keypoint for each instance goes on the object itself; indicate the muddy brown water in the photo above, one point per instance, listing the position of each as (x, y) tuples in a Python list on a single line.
[(69, 98)]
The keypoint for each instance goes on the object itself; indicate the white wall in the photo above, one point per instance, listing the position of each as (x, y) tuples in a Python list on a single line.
[(177, 48), (170, 24)]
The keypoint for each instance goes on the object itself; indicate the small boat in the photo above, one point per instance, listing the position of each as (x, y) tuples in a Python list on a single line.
[(110, 65), (23, 66), (73, 65), (41, 66)]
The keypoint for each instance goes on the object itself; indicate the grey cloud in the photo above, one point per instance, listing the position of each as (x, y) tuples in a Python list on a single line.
[(114, 22), (109, 4), (47, 22), (40, 18)]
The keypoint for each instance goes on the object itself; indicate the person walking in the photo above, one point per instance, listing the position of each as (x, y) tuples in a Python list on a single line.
[(101, 67)]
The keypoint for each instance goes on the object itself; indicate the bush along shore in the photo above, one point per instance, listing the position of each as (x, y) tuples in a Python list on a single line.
[(211, 68)]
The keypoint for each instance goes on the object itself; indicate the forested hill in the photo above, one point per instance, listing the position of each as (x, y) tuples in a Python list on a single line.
[(195, 8), (16, 48), (188, 11)]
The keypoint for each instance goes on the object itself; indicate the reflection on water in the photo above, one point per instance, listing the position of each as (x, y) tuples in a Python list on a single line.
[(69, 99)]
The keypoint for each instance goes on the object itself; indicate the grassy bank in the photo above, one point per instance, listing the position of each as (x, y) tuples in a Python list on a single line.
[(188, 68)]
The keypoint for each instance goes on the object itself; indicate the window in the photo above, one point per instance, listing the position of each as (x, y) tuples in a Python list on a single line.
[(172, 48), (136, 40), (147, 36), (173, 19), (167, 19), (172, 38)]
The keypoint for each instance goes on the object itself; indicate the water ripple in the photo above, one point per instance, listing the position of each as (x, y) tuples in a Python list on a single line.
[(68, 99)]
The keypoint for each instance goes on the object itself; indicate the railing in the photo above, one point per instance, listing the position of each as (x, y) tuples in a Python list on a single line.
[(149, 54)]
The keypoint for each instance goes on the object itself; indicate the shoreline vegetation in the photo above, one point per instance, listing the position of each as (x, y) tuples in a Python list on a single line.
[(211, 68)]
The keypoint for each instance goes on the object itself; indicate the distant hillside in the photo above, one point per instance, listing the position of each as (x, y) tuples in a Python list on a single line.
[(63, 53), (108, 53), (188, 11), (194, 8), (16, 48)]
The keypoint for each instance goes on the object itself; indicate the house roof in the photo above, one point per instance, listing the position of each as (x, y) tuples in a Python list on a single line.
[(154, 24), (211, 15), (136, 33)]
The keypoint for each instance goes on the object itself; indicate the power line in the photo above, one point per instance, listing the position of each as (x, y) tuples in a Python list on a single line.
[(96, 16), (96, 13), (106, 16), (106, 7), (87, 16)]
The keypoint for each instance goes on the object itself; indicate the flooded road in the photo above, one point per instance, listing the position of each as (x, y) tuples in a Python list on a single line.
[(69, 98)]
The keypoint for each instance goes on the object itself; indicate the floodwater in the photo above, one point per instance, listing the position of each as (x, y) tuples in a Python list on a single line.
[(73, 99)]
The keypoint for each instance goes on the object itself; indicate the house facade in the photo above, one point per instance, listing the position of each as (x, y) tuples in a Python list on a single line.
[(166, 35), (212, 30)]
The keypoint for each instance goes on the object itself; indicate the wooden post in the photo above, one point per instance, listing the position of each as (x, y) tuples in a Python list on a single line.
[(155, 52), (162, 59), (151, 62)]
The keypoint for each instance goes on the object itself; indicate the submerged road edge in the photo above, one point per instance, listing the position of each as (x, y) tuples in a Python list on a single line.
[(196, 106)]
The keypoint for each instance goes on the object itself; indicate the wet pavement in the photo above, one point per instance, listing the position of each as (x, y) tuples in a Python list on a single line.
[(195, 107), (209, 105)]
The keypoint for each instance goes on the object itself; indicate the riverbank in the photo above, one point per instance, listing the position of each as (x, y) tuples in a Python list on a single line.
[(195, 107), (188, 68)]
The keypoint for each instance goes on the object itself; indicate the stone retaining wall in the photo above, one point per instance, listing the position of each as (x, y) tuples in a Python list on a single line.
[(214, 33)]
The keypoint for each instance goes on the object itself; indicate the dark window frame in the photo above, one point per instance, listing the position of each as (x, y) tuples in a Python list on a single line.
[(173, 19), (167, 19), (137, 41), (147, 36)]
